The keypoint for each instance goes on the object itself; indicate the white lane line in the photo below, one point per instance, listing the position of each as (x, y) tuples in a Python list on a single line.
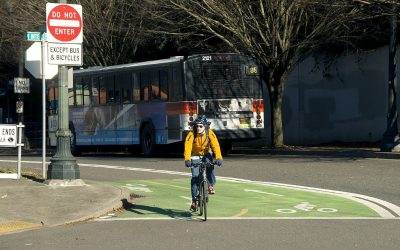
[(261, 192), (245, 218), (186, 198), (373, 203)]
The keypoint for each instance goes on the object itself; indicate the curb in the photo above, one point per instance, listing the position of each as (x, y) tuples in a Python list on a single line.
[(320, 152), (113, 205)]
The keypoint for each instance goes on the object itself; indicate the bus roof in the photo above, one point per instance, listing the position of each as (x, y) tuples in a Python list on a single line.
[(129, 65)]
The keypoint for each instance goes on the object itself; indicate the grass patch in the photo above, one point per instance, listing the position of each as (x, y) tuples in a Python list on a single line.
[(26, 174)]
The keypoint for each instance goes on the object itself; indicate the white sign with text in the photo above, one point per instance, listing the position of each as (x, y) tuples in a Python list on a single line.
[(8, 135), (64, 54)]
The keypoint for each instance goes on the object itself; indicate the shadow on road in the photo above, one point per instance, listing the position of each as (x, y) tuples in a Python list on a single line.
[(146, 210)]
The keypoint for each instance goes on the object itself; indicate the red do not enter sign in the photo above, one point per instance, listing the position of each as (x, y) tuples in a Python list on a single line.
[(64, 23)]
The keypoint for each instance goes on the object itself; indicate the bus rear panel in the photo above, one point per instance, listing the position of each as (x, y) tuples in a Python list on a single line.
[(226, 88)]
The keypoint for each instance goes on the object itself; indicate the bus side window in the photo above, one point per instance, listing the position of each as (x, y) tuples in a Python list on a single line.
[(86, 91), (136, 87), (95, 90), (144, 86), (122, 83), (164, 85), (53, 98), (155, 85), (71, 98), (175, 85), (78, 92), (103, 92), (109, 84)]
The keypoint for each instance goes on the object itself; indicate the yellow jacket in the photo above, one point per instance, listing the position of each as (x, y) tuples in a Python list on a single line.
[(201, 145)]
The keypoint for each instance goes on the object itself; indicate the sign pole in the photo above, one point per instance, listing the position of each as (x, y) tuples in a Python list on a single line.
[(43, 73), (63, 167), (19, 145)]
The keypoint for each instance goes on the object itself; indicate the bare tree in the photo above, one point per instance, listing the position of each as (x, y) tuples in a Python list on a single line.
[(113, 30), (17, 17), (279, 33)]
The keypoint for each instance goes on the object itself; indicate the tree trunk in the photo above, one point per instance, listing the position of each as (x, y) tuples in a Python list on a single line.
[(276, 89)]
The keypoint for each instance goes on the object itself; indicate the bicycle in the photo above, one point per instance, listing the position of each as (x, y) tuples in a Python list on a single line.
[(202, 198)]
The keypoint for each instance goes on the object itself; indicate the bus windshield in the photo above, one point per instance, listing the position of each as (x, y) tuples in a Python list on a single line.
[(220, 78)]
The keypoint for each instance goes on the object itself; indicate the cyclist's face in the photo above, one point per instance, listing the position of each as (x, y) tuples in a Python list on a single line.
[(200, 128)]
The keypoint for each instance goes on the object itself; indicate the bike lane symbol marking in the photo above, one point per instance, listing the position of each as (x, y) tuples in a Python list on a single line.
[(307, 207)]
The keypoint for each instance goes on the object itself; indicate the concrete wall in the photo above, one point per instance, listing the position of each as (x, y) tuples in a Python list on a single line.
[(345, 102)]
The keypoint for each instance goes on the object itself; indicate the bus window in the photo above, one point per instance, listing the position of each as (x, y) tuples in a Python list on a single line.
[(71, 101), (78, 92), (52, 98), (123, 84), (103, 92), (86, 91), (175, 85), (95, 90), (109, 84), (136, 87), (164, 85), (155, 85), (144, 85)]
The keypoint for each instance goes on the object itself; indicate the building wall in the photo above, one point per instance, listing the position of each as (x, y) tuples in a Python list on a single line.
[(345, 102)]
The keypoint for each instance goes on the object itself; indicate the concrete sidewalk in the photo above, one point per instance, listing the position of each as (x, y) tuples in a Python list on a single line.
[(27, 204)]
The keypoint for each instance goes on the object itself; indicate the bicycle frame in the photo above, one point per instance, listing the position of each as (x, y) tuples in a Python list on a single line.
[(203, 188)]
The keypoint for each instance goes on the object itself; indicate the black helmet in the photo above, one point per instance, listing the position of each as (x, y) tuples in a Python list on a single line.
[(201, 120)]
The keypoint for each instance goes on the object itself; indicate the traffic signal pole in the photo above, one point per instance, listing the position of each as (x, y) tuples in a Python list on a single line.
[(391, 140)]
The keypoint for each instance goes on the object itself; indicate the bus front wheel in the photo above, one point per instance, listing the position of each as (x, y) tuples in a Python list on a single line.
[(75, 150), (147, 141)]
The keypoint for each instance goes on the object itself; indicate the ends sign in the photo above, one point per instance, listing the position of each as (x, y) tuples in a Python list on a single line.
[(64, 23)]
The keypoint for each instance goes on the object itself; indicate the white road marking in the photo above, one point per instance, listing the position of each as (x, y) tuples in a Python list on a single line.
[(261, 192), (186, 198), (305, 206), (247, 218), (383, 208)]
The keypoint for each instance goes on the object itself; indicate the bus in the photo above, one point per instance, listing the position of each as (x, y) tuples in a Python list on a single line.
[(143, 106)]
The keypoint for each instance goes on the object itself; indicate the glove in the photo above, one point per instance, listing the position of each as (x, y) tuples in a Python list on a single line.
[(219, 162), (187, 164)]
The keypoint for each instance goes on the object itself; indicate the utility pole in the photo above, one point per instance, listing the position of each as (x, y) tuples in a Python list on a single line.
[(63, 169), (390, 141)]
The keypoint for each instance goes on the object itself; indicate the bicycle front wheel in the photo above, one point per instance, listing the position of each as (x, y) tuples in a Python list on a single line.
[(201, 198), (204, 200)]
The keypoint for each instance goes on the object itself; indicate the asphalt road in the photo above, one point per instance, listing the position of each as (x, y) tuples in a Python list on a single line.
[(372, 177)]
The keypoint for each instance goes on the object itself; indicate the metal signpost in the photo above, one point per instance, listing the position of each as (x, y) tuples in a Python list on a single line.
[(64, 26), (36, 64)]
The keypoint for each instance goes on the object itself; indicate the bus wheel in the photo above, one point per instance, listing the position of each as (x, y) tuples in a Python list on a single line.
[(226, 148), (147, 141), (74, 148)]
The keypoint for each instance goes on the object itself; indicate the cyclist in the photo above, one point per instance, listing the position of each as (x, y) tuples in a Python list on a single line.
[(201, 141)]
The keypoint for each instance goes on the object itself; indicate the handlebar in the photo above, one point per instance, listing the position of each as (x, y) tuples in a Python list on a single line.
[(206, 164)]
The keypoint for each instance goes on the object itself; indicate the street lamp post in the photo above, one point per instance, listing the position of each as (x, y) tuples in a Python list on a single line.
[(391, 140), (63, 165)]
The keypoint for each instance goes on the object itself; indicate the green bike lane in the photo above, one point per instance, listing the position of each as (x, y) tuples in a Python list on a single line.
[(241, 199)]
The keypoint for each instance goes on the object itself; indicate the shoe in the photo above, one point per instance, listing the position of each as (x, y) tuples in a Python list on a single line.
[(211, 189), (193, 206)]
